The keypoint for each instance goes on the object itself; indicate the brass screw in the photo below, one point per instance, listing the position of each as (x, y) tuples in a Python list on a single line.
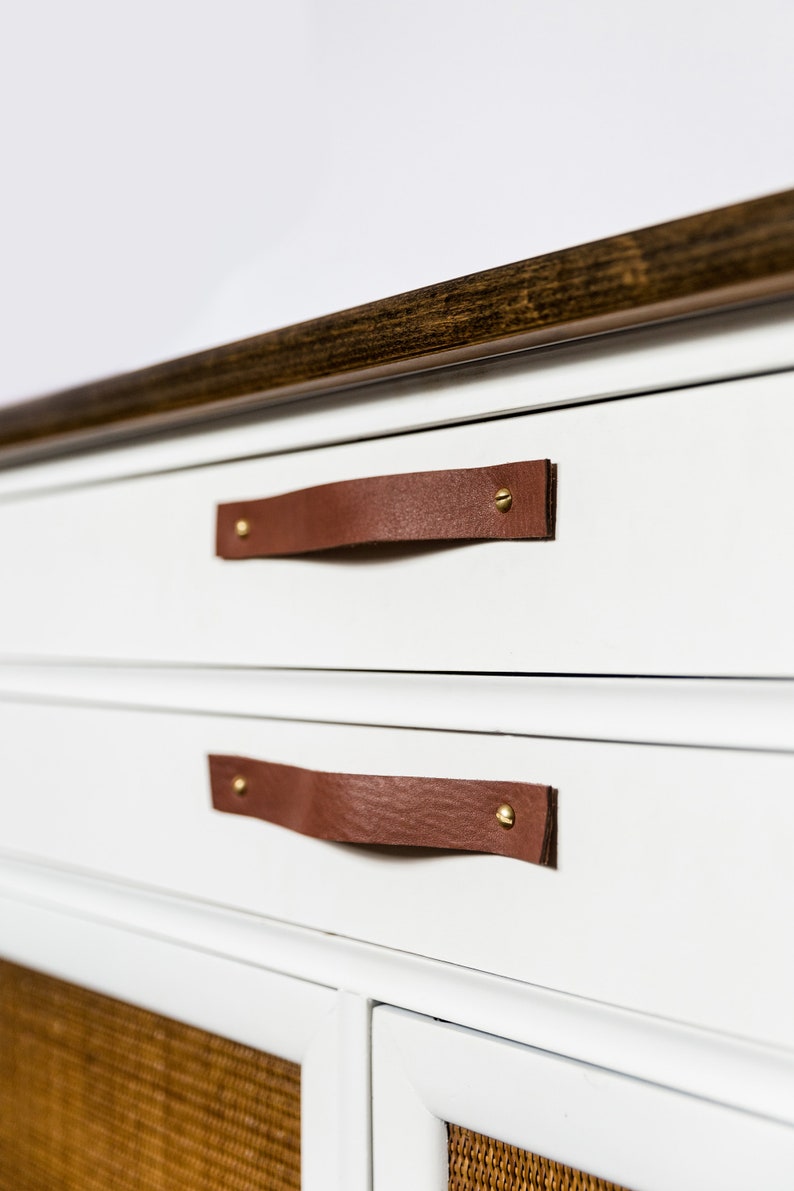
[(505, 816), (240, 786), (503, 501), (242, 528)]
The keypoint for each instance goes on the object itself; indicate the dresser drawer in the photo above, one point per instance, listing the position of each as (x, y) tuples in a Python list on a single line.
[(664, 854), (674, 526)]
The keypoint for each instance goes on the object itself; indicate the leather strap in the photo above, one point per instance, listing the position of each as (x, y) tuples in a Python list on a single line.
[(400, 811), (427, 506)]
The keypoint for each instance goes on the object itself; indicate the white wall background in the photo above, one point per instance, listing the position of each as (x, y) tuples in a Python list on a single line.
[(179, 173)]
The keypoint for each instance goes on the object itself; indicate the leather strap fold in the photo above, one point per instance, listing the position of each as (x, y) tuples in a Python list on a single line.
[(428, 506), (447, 813)]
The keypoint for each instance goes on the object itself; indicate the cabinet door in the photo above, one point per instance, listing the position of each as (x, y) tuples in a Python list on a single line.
[(464, 1111), (140, 1062), (97, 1093)]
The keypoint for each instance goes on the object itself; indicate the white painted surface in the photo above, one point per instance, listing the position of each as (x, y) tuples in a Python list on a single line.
[(631, 1133), (335, 1101), (251, 1005), (675, 516), (58, 913), (353, 1102), (419, 1158), (177, 176), (703, 712), (665, 855)]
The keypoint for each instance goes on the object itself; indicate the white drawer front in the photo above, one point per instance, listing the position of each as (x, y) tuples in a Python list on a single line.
[(675, 524), (672, 893)]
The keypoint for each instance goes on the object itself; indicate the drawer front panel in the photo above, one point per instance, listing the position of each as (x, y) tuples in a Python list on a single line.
[(663, 854), (674, 525)]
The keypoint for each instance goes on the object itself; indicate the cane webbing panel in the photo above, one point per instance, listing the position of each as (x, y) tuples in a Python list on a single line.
[(478, 1163), (96, 1095)]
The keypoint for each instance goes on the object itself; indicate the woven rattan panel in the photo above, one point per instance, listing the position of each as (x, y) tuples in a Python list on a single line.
[(478, 1163), (96, 1095)]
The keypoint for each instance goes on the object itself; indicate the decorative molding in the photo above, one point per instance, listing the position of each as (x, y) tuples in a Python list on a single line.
[(146, 945), (734, 713)]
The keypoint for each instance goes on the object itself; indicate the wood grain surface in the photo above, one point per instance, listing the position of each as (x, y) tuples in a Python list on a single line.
[(737, 254), (98, 1095)]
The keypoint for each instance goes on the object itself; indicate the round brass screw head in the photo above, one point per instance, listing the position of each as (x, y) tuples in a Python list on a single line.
[(505, 816), (242, 528), (503, 500), (240, 786)]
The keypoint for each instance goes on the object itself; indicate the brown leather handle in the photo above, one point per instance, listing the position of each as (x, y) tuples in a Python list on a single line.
[(509, 500), (503, 818)]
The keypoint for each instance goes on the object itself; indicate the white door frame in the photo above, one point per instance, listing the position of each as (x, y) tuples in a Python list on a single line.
[(637, 1134)]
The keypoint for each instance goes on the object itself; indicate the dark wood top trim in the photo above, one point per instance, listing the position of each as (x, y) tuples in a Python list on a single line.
[(734, 255)]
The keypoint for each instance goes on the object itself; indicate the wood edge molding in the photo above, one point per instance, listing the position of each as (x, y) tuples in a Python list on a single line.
[(33, 447), (734, 256)]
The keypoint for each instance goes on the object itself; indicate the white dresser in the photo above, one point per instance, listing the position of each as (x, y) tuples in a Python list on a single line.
[(625, 1008)]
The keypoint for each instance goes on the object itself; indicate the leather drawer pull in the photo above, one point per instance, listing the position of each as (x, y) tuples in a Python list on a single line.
[(507, 501), (420, 812)]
